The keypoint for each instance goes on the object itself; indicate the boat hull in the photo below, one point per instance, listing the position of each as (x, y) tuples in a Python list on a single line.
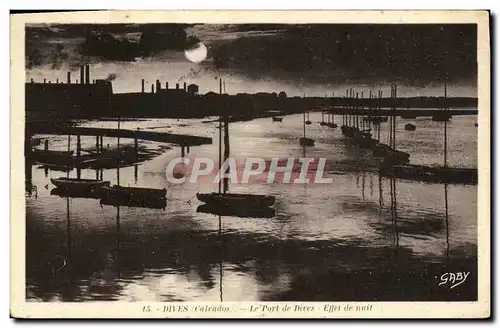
[(306, 142), (236, 200), (79, 184), (135, 197)]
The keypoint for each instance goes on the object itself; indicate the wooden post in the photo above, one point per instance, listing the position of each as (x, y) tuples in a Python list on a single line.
[(136, 146), (78, 146), (188, 149), (46, 145), (182, 151), (101, 143), (97, 144)]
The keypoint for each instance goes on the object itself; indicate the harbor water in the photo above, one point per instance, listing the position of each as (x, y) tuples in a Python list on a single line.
[(360, 238)]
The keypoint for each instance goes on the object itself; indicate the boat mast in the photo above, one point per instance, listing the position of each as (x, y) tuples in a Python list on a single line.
[(119, 155), (304, 123), (226, 141), (445, 126), (394, 118), (220, 134)]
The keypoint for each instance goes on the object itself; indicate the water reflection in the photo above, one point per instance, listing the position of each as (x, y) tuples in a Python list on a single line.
[(340, 242)]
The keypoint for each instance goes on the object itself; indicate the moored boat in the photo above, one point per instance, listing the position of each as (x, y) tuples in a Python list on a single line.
[(242, 212), (304, 141), (129, 193), (236, 200), (277, 119), (410, 127), (79, 184)]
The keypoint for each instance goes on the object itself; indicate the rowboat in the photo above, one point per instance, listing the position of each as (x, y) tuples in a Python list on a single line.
[(242, 212), (236, 200), (304, 141), (132, 193), (410, 127), (277, 119), (79, 184), (133, 200), (76, 193)]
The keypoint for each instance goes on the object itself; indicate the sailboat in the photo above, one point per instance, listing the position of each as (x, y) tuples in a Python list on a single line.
[(225, 201), (304, 141), (133, 196)]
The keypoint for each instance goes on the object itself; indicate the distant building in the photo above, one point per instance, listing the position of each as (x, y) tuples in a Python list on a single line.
[(193, 89)]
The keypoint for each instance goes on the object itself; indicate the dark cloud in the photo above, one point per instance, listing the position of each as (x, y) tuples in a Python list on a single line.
[(104, 42), (410, 54)]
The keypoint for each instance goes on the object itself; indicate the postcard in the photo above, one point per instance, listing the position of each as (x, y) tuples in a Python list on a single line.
[(263, 164)]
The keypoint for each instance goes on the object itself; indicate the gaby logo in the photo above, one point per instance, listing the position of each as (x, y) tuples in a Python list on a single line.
[(291, 170)]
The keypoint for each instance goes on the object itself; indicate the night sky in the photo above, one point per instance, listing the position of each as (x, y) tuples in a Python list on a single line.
[(297, 58)]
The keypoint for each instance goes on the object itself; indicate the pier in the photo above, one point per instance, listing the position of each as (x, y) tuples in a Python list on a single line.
[(182, 140)]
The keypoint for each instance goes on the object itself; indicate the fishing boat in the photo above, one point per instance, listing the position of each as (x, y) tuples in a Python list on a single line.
[(232, 200), (305, 141), (439, 174), (62, 153), (132, 192), (238, 211), (277, 119), (134, 197), (76, 193), (308, 121), (225, 200), (79, 184), (441, 118), (410, 127)]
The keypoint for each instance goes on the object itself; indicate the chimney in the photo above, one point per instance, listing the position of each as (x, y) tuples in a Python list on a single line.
[(158, 86), (69, 77), (152, 88), (177, 86), (87, 74), (44, 80), (142, 85), (166, 85), (82, 75), (32, 80), (185, 86), (57, 81)]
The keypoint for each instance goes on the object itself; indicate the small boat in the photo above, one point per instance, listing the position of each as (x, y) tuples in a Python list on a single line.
[(62, 153), (441, 118), (375, 119), (323, 123), (79, 184), (408, 116), (304, 141), (277, 119), (331, 125), (76, 193), (56, 167), (410, 127), (131, 193), (308, 122), (144, 202), (241, 212), (231, 200)]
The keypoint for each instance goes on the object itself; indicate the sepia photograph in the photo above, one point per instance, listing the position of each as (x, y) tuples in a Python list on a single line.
[(237, 166)]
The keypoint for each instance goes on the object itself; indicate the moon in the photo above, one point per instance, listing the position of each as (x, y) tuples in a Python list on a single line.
[(196, 54)]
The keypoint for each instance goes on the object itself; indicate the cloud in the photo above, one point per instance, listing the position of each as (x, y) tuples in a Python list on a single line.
[(103, 42), (329, 54)]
